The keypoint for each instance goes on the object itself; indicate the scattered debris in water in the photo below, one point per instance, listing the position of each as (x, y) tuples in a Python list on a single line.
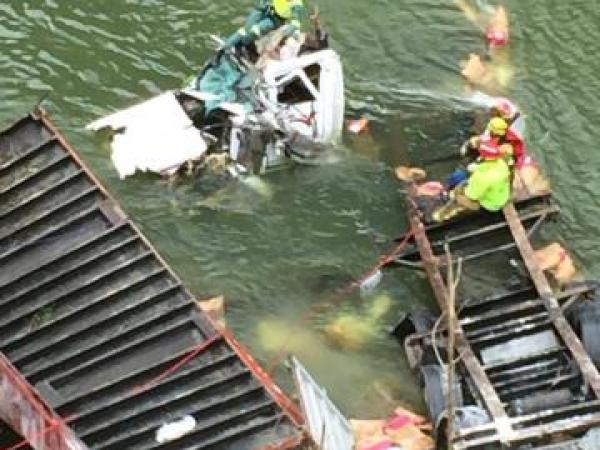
[(175, 430), (354, 331), (214, 308), (358, 126), (403, 429)]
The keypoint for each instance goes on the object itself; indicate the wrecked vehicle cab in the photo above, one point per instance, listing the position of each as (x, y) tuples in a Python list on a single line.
[(245, 114)]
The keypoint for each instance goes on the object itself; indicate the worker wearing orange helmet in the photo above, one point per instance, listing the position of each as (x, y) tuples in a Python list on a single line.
[(268, 16)]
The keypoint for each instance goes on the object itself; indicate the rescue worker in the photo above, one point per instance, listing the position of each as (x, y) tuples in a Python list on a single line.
[(488, 186), (505, 132), (269, 16), (505, 109), (499, 130), (496, 129)]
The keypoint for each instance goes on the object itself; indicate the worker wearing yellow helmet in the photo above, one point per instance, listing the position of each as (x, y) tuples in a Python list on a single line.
[(269, 16), (496, 129)]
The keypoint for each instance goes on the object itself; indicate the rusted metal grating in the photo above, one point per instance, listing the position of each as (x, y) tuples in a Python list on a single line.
[(521, 363), (89, 314)]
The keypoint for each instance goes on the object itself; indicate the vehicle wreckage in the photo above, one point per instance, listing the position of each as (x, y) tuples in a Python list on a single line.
[(281, 100)]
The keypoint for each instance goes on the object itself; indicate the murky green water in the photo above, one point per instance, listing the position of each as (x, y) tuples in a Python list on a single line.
[(277, 252)]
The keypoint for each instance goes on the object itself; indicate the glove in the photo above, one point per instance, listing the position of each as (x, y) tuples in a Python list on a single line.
[(472, 167)]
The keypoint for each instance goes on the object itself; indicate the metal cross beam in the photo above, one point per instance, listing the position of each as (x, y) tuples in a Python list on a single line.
[(562, 326)]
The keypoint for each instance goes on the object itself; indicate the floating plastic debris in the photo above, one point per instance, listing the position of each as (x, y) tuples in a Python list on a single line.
[(175, 430)]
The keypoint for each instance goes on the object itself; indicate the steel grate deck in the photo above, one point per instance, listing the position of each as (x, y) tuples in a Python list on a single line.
[(89, 313)]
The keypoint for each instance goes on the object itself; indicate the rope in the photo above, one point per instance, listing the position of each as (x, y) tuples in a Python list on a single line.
[(342, 294), (202, 346), (54, 423), (434, 330)]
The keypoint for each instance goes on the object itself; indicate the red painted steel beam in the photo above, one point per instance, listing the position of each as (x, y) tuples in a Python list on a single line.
[(288, 406), (22, 408)]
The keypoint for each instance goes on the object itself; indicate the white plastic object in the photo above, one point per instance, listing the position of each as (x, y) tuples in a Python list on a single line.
[(155, 136), (370, 283), (175, 430), (472, 167)]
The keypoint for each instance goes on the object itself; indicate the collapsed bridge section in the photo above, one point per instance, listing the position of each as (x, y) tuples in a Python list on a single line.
[(525, 370), (98, 324)]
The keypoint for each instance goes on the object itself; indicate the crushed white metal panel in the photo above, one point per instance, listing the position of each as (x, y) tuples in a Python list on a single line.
[(328, 106), (299, 97), (326, 424), (94, 321), (155, 136)]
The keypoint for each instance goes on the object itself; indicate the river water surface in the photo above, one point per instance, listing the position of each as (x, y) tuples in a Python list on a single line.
[(278, 249)]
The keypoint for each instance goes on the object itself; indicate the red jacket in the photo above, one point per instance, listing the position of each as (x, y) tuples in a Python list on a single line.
[(514, 138)]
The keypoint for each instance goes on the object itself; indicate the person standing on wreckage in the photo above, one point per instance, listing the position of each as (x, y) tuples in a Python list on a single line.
[(269, 16), (489, 185)]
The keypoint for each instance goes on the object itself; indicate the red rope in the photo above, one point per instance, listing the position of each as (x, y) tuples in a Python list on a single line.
[(195, 351), (341, 295), (202, 346), (384, 260), (53, 424)]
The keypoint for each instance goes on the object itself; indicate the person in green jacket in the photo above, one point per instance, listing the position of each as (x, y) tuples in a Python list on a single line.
[(269, 16), (489, 186)]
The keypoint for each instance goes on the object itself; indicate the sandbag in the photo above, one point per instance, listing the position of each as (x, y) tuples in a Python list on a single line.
[(555, 260)]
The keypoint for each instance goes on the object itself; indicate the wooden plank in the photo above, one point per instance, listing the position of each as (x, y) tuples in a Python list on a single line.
[(572, 425), (484, 386), (496, 313), (480, 232), (576, 410), (469, 217), (562, 326)]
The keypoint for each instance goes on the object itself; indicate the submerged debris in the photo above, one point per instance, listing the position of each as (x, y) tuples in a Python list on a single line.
[(408, 174), (353, 331), (256, 111), (214, 308)]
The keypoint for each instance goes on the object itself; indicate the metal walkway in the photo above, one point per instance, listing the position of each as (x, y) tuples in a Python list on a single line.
[(521, 362), (89, 314)]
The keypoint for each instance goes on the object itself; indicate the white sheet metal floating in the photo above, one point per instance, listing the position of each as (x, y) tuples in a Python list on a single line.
[(153, 136)]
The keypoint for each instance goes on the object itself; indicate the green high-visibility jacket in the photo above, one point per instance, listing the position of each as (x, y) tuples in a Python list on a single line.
[(489, 184)]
